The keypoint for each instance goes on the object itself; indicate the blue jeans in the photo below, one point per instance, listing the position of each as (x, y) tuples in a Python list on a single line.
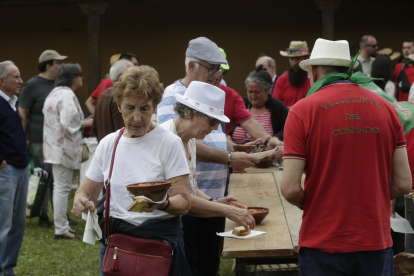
[(13, 195), (313, 262)]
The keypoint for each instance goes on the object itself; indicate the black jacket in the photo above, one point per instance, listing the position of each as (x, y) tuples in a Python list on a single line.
[(278, 115)]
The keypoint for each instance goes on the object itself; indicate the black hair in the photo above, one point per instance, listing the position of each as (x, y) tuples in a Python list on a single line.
[(382, 68), (409, 40), (128, 56), (43, 65), (67, 74)]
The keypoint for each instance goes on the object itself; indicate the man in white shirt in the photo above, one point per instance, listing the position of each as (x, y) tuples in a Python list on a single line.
[(369, 50)]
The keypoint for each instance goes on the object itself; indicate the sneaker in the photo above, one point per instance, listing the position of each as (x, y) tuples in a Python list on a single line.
[(44, 221)]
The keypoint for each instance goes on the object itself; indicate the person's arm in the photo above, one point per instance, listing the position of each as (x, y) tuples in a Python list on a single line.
[(81, 204), (256, 130), (203, 208), (291, 186), (91, 104), (401, 180), (206, 209), (238, 160), (23, 112), (180, 198)]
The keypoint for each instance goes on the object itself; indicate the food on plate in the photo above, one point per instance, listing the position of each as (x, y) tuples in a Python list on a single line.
[(138, 205), (240, 231)]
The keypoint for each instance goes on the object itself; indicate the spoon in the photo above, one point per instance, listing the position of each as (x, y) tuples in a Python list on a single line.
[(256, 147)]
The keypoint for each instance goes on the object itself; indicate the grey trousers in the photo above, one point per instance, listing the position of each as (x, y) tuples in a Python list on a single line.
[(38, 150)]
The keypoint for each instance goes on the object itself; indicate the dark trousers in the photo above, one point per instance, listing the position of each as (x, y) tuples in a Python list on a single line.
[(410, 237), (313, 262), (202, 244), (398, 239)]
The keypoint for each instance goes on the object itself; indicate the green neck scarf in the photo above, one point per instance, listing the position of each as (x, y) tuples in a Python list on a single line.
[(406, 61), (406, 113), (357, 78)]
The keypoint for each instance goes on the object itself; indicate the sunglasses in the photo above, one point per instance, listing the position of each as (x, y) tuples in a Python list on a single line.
[(213, 121), (373, 45)]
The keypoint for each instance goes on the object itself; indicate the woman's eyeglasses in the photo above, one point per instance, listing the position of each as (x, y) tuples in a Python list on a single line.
[(213, 121)]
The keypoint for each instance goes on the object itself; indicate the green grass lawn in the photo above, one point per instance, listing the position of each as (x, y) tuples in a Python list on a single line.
[(41, 254)]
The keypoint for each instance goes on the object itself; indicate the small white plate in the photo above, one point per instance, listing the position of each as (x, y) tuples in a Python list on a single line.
[(263, 154)]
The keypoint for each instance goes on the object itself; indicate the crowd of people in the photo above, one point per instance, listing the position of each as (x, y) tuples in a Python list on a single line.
[(350, 140)]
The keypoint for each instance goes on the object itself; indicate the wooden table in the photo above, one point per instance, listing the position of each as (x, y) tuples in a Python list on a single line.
[(260, 188)]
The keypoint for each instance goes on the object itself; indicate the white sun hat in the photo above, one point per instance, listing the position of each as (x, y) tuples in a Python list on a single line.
[(206, 98), (331, 53)]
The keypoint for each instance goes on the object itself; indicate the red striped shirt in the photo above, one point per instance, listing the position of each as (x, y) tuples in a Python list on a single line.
[(240, 136)]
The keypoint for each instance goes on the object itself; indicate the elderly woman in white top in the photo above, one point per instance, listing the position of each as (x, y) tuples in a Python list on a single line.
[(200, 111), (62, 141), (146, 152)]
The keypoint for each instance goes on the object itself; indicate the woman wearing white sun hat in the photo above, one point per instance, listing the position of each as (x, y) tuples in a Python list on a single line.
[(201, 110)]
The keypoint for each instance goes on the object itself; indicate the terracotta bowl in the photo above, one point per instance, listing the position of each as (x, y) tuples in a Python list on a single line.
[(154, 190), (247, 148), (264, 163), (259, 216)]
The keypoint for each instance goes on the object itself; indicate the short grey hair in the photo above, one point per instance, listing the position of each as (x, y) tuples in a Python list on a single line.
[(187, 62), (260, 76), (67, 74), (118, 68), (185, 111), (4, 71)]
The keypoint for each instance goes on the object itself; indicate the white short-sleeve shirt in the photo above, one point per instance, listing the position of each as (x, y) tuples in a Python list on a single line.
[(156, 156), (170, 126)]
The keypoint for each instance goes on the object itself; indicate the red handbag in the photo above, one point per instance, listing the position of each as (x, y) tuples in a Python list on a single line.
[(127, 255)]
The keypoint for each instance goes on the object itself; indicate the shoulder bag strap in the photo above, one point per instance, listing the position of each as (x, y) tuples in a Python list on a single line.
[(108, 189)]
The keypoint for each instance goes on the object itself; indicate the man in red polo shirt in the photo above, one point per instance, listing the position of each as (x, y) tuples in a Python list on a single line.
[(294, 85), (403, 87), (351, 145)]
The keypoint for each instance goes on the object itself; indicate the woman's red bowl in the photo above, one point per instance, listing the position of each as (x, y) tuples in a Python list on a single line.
[(258, 213), (154, 190)]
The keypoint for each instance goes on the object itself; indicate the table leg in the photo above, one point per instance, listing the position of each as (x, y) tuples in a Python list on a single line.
[(240, 267)]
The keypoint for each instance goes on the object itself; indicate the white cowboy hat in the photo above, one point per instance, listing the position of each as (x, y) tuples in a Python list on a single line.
[(206, 98), (296, 49), (331, 53)]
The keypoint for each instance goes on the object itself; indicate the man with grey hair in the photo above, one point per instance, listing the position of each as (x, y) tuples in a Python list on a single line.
[(270, 65), (202, 63), (369, 50), (14, 169), (32, 99), (107, 118)]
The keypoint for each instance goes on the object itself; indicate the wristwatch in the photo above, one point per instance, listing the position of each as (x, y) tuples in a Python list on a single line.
[(267, 141), (229, 158)]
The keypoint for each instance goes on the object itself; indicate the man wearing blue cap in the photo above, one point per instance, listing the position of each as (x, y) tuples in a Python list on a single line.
[(202, 63)]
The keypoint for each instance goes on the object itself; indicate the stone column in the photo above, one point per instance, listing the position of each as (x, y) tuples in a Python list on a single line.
[(93, 11), (327, 8)]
